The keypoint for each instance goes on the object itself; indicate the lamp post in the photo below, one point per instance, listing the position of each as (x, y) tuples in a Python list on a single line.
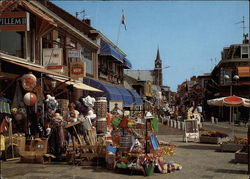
[(236, 78)]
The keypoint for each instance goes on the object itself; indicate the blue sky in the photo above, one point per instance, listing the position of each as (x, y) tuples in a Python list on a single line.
[(188, 33)]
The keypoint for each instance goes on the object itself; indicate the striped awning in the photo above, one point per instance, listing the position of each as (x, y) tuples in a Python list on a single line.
[(244, 71), (4, 107)]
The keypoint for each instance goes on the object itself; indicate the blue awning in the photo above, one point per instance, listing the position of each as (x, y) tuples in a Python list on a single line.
[(127, 63), (127, 98), (107, 49), (112, 92), (136, 97)]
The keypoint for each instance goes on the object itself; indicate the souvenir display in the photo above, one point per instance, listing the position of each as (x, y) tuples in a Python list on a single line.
[(28, 82), (29, 99)]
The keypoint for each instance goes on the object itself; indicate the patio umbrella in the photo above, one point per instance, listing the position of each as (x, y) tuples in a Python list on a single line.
[(231, 101)]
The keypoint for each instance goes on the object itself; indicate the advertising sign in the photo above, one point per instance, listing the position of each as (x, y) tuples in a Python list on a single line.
[(52, 58), (15, 21), (77, 69), (74, 53)]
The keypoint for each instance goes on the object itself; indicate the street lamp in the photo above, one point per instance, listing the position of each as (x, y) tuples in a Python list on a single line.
[(236, 78)]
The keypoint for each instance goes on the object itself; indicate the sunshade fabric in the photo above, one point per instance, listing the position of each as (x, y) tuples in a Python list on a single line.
[(229, 101), (136, 97), (127, 97), (112, 92), (127, 63), (107, 49), (78, 84)]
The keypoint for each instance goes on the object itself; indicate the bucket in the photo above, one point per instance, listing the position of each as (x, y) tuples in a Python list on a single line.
[(150, 170), (110, 160)]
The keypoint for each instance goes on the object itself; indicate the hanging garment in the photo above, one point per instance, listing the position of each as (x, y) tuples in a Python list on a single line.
[(18, 97)]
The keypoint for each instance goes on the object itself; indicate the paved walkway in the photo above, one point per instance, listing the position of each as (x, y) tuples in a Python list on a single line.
[(199, 161), (240, 131)]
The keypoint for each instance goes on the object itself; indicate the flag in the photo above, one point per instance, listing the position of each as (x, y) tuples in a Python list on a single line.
[(123, 20)]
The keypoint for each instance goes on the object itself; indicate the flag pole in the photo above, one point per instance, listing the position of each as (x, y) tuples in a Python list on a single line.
[(118, 35)]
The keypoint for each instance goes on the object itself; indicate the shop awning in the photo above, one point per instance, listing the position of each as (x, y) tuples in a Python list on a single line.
[(127, 97), (127, 63), (112, 92), (107, 49), (136, 97), (76, 84)]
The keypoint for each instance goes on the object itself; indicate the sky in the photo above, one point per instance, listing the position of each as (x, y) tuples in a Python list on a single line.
[(190, 34)]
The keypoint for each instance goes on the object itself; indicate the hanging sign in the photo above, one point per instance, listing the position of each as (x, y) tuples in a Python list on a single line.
[(15, 21), (77, 69), (74, 53), (52, 58)]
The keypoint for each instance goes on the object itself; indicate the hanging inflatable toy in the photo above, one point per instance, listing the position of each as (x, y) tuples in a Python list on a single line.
[(29, 99), (28, 82)]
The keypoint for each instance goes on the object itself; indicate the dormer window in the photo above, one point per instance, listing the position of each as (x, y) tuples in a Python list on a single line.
[(244, 51)]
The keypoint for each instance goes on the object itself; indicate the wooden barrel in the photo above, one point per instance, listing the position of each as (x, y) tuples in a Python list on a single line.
[(125, 143)]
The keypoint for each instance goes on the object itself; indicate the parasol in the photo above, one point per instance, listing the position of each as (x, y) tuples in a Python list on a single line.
[(231, 101)]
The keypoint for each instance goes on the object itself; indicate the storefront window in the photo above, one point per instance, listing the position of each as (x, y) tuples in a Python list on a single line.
[(86, 56), (12, 43)]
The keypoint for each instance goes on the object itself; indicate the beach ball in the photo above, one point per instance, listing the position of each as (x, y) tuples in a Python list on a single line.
[(28, 82), (29, 99)]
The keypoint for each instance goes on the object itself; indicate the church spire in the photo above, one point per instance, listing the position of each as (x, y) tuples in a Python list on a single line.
[(158, 58)]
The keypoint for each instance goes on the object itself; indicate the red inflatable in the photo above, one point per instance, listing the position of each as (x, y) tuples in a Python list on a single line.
[(29, 99)]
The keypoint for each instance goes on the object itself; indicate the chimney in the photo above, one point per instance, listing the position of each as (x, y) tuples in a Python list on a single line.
[(87, 21)]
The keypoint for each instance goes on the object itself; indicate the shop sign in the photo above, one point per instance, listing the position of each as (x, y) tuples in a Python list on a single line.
[(52, 58), (77, 69), (74, 53), (15, 21)]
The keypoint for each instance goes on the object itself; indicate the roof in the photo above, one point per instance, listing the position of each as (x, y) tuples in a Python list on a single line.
[(67, 25), (140, 75)]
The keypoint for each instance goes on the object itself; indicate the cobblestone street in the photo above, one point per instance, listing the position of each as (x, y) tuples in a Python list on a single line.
[(198, 161)]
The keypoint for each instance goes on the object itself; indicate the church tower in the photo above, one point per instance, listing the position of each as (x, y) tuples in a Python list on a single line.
[(158, 69)]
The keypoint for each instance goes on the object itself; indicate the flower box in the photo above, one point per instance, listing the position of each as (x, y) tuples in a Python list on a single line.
[(230, 147), (241, 157), (213, 140)]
